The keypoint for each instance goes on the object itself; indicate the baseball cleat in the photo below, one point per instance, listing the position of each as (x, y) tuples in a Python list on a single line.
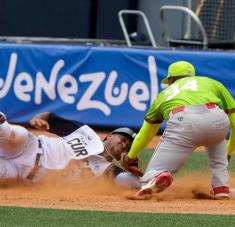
[(2, 118), (221, 192), (156, 184)]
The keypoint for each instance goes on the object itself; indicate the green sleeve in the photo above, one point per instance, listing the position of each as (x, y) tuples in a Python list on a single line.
[(231, 142), (153, 115), (143, 138), (228, 103), (226, 98)]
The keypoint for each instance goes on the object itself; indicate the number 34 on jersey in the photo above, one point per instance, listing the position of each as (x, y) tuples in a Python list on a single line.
[(175, 89)]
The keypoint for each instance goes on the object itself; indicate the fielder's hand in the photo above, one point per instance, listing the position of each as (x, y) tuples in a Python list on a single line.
[(131, 165), (39, 123)]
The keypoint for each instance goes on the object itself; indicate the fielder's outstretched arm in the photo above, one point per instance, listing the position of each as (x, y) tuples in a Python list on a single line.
[(143, 138)]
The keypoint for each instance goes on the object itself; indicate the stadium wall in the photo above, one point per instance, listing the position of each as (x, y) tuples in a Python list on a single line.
[(100, 86)]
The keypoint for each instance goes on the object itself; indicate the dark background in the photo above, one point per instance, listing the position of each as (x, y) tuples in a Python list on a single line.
[(98, 19), (60, 18)]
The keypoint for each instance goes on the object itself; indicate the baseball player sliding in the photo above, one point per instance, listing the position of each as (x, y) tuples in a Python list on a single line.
[(198, 111), (78, 151)]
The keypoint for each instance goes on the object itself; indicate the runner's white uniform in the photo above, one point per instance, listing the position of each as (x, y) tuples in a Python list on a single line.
[(78, 152)]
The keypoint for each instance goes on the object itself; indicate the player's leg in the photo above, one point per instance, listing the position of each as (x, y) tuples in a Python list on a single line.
[(167, 159), (217, 152), (171, 153), (176, 146), (8, 169), (185, 131), (217, 160), (13, 138), (127, 180)]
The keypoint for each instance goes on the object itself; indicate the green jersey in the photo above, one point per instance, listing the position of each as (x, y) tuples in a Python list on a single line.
[(189, 91)]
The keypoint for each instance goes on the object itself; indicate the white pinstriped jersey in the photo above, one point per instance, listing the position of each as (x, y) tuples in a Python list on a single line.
[(77, 154)]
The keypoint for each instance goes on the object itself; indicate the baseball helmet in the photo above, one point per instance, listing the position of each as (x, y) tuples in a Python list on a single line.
[(179, 68), (126, 131)]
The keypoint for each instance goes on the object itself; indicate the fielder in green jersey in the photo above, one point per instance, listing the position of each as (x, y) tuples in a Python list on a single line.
[(189, 91), (198, 111)]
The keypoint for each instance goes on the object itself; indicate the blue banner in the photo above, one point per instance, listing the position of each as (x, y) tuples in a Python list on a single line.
[(105, 87)]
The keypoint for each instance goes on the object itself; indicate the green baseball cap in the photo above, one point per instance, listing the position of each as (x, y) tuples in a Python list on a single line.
[(179, 68)]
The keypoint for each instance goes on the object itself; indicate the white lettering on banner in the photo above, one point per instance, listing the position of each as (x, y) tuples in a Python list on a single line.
[(10, 74), (20, 89), (48, 87), (86, 102), (66, 93), (119, 99), (67, 87), (135, 98)]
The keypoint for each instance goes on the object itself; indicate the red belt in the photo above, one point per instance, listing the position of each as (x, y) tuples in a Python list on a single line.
[(182, 108)]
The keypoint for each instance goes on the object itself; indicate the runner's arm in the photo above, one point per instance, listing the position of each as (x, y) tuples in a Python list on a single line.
[(55, 124)]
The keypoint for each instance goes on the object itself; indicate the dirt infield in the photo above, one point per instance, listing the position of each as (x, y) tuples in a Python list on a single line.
[(103, 195)]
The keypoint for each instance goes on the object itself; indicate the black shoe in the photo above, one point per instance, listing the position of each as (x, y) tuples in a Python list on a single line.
[(2, 118)]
